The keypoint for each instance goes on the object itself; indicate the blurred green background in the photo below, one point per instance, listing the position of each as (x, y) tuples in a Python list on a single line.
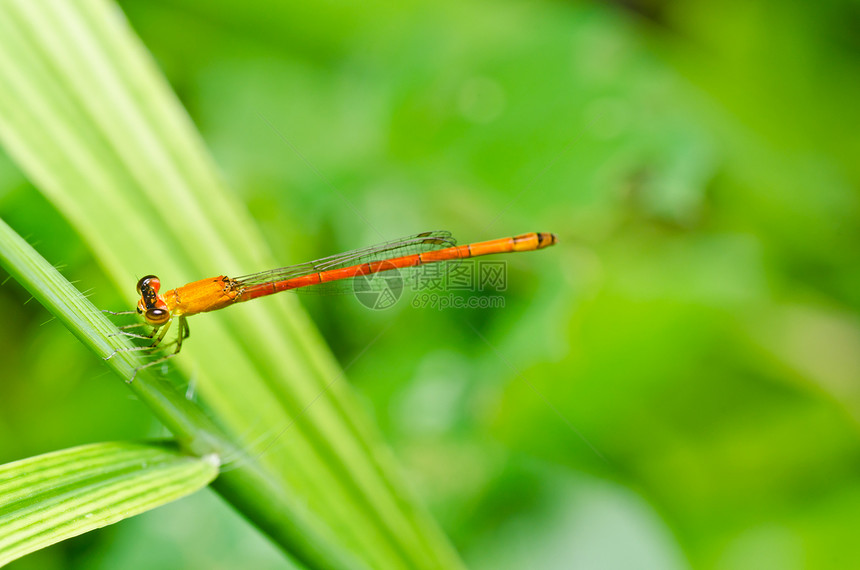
[(675, 385)]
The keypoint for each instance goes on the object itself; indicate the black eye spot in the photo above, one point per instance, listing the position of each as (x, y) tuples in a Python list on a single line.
[(150, 281)]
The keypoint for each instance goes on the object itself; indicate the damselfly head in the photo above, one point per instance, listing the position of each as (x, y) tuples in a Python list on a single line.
[(148, 282), (151, 305), (156, 316)]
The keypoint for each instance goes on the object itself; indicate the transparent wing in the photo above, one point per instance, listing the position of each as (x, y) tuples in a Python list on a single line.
[(410, 245)]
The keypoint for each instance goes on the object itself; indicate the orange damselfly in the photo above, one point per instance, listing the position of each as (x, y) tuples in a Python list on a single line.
[(328, 273)]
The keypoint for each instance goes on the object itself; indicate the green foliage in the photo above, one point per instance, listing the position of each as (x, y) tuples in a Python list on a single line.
[(52, 497), (697, 323)]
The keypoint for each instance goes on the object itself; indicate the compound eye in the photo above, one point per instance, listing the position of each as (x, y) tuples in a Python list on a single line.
[(150, 281), (157, 316)]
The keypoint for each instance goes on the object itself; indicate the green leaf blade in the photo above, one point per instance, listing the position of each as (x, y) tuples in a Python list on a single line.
[(52, 497)]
